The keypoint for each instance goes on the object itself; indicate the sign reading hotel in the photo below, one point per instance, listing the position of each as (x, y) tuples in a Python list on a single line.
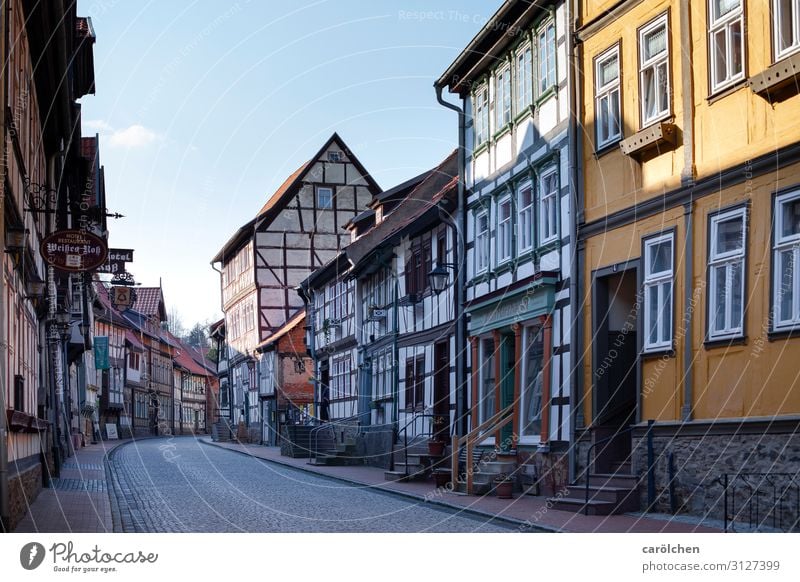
[(116, 261), (74, 251)]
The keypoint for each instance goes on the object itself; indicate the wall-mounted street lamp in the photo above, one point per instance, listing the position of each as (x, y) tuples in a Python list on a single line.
[(439, 277)]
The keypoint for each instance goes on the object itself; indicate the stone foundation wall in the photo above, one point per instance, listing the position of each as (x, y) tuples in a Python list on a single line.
[(374, 446), (700, 463), (23, 487)]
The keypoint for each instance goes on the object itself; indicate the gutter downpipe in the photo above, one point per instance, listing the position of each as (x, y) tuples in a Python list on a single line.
[(5, 517), (460, 223), (687, 181), (576, 260)]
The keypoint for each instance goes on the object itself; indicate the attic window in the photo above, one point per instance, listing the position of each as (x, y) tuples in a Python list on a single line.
[(324, 197), (335, 156)]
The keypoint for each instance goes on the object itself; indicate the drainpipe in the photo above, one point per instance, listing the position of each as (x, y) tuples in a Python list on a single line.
[(687, 181), (576, 197), (4, 503), (460, 229)]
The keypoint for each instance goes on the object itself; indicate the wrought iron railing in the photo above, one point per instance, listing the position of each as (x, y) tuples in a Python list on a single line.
[(761, 500)]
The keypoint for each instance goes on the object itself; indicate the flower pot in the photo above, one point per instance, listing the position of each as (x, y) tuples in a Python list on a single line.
[(436, 448), (503, 489), (441, 478)]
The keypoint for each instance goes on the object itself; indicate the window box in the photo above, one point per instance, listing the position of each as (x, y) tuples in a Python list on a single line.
[(778, 81), (657, 138)]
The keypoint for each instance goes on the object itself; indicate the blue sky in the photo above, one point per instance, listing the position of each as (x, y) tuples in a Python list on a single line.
[(204, 107)]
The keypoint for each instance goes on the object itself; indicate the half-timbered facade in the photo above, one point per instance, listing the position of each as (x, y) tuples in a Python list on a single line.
[(514, 84), (296, 231)]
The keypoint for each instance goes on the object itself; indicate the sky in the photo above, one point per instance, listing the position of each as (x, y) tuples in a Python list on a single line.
[(203, 108)]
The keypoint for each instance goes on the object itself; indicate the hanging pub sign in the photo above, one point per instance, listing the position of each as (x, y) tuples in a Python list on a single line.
[(74, 251), (123, 297), (116, 260)]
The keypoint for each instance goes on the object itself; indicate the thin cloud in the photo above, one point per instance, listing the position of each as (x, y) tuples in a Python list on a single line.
[(97, 125), (134, 136)]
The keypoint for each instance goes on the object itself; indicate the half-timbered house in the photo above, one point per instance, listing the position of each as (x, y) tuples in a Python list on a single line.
[(515, 93), (296, 231)]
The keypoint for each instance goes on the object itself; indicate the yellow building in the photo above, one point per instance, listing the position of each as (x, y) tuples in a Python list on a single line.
[(687, 243)]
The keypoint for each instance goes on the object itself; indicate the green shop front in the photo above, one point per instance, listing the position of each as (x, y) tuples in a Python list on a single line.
[(511, 346)]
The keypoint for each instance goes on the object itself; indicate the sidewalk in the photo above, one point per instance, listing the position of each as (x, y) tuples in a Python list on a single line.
[(528, 513), (78, 501)]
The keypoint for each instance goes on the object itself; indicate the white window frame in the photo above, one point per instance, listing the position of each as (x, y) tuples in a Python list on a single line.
[(320, 189), (728, 260), (654, 282), (604, 93), (524, 77), (654, 63), (481, 243), (777, 17), (724, 24), (547, 54), (783, 244), (481, 115), (548, 201), (505, 231), (528, 438), (525, 230), (502, 98)]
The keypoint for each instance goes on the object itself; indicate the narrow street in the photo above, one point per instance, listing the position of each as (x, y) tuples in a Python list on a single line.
[(183, 485)]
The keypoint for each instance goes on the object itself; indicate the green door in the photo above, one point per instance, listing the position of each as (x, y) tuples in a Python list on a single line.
[(507, 354)]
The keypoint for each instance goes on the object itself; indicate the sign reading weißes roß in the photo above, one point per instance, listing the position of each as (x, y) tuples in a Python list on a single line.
[(74, 251)]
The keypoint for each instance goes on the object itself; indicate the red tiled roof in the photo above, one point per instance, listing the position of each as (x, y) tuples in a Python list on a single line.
[(150, 302), (132, 339), (183, 359), (293, 322)]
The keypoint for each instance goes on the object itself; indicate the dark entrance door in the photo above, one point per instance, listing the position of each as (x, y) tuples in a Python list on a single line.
[(615, 368), (507, 367), (324, 393), (441, 391)]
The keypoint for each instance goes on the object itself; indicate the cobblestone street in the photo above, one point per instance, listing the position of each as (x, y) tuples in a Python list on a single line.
[(182, 485)]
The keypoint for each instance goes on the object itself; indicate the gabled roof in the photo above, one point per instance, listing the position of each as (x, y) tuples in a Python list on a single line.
[(286, 328), (278, 200), (504, 28), (150, 302), (134, 341), (440, 184), (183, 359)]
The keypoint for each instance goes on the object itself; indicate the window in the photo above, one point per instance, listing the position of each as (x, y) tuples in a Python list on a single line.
[(133, 361), (548, 201), (546, 47), (524, 82), (607, 100), (726, 274), (502, 99), (725, 42), (487, 386), (335, 156), (504, 232), (415, 383), (786, 26), (658, 274), (482, 242), (324, 197), (341, 385), (481, 121), (418, 264), (786, 284), (534, 381), (654, 71), (525, 217)]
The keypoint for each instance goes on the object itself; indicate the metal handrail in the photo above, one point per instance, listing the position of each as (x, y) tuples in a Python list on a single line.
[(414, 418), (589, 460)]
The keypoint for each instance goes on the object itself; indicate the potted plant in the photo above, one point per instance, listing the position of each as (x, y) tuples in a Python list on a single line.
[(503, 486), (436, 445)]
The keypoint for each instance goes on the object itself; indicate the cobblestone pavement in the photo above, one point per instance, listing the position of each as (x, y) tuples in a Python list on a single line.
[(180, 485)]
